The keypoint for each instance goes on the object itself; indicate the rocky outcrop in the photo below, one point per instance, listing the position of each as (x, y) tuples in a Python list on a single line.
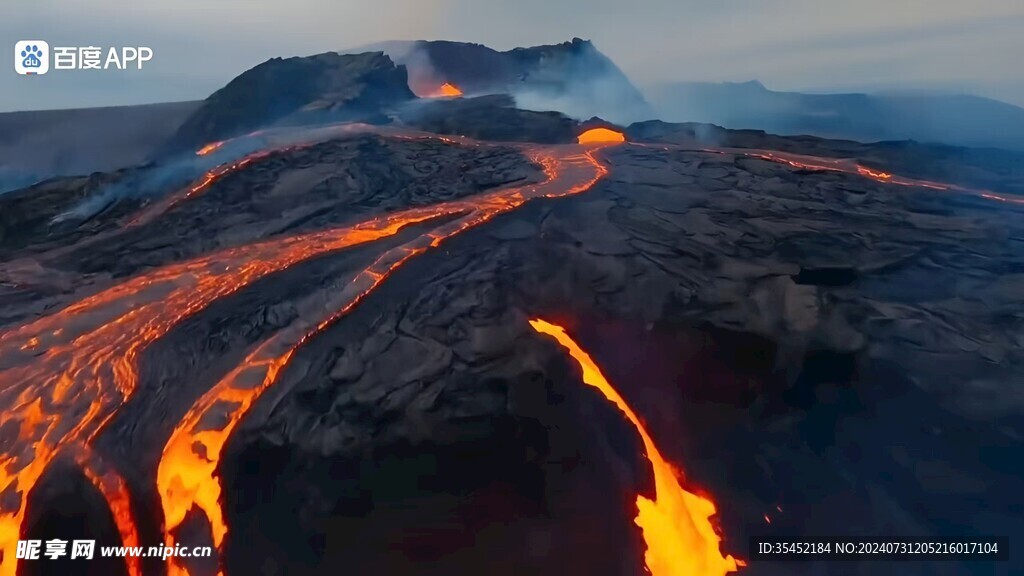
[(327, 86), (493, 117)]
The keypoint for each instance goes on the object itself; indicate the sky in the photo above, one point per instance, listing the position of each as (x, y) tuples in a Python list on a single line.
[(817, 45)]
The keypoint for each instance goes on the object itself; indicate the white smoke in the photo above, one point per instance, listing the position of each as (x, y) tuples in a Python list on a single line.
[(584, 97)]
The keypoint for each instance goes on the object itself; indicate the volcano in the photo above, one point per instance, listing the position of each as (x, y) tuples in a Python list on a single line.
[(572, 77), (340, 328)]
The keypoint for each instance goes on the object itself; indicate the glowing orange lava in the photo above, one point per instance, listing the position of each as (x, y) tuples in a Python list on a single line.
[(107, 481), (157, 208), (427, 88), (449, 90), (186, 477), (65, 395), (676, 524), (211, 147), (596, 135), (846, 166), (65, 375), (285, 142), (873, 174)]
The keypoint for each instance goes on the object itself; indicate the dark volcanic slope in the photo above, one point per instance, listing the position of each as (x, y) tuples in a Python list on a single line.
[(335, 182), (493, 117), (329, 85)]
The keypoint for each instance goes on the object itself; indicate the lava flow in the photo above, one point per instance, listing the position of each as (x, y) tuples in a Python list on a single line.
[(427, 88), (150, 212), (450, 90), (819, 164), (186, 478), (276, 142), (676, 524), (446, 90), (211, 147), (64, 376), (65, 395), (114, 490)]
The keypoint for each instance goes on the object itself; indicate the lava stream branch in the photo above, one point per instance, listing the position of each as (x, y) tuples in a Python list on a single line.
[(150, 212), (277, 141), (64, 376), (114, 490), (186, 477), (845, 166), (271, 142), (676, 524), (210, 148)]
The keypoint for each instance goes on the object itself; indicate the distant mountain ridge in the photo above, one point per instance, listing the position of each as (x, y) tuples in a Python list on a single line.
[(41, 144), (951, 119)]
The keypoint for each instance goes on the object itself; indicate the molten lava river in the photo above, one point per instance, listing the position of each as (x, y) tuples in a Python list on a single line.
[(676, 524), (63, 377)]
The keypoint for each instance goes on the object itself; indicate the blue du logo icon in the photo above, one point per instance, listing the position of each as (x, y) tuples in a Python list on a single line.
[(31, 57)]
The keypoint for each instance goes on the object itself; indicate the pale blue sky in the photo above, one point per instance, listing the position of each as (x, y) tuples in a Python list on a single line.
[(787, 44)]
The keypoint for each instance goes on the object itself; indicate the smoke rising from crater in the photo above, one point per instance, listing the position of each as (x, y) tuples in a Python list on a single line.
[(573, 78)]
